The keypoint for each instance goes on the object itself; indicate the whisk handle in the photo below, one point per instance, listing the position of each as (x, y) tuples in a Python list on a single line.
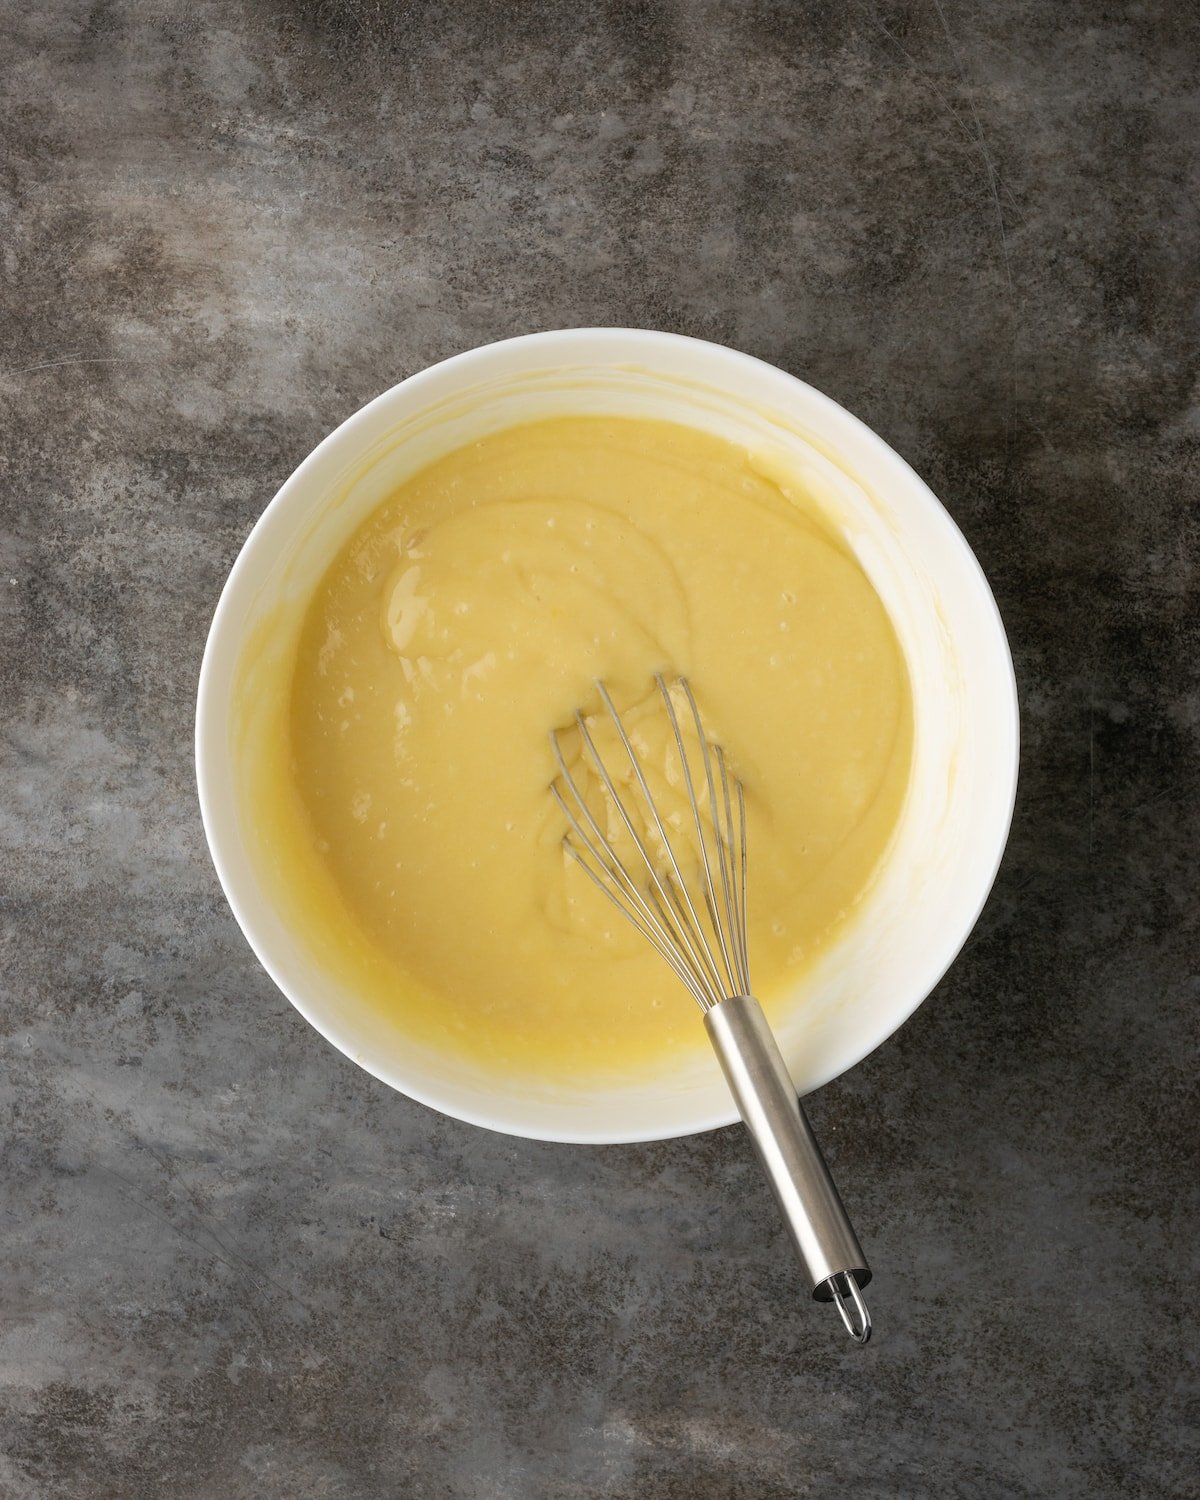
[(812, 1209)]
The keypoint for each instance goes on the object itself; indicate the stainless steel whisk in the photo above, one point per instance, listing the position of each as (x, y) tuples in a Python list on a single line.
[(691, 907)]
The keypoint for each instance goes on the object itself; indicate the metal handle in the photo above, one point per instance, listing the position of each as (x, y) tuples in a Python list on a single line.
[(764, 1093)]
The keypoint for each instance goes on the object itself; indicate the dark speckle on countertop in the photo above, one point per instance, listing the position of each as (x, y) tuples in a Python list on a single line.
[(233, 1265)]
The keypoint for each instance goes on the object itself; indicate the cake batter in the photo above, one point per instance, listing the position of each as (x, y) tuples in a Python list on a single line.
[(469, 616)]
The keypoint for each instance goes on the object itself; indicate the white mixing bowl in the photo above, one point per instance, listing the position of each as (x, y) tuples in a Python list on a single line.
[(955, 819)]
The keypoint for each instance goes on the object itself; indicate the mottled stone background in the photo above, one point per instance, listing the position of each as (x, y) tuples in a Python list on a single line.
[(236, 1266)]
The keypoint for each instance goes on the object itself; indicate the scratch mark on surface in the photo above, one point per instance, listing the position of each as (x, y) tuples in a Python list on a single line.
[(993, 180), (227, 1255), (251, 1270), (226, 1252), (67, 359), (993, 176), (190, 1239), (930, 82), (1091, 767), (162, 1218)]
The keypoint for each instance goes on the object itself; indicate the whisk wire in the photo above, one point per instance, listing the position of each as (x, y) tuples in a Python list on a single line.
[(638, 911), (741, 801), (661, 945), (691, 932), (702, 834), (671, 937), (663, 910), (676, 920), (736, 918), (737, 841)]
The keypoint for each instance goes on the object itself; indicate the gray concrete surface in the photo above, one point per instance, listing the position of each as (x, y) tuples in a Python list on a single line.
[(233, 1264)]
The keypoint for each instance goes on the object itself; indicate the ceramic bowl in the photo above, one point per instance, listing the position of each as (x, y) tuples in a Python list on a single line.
[(955, 819)]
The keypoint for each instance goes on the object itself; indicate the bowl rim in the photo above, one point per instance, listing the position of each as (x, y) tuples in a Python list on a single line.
[(209, 719)]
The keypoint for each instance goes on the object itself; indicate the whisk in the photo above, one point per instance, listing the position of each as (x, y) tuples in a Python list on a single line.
[(689, 902)]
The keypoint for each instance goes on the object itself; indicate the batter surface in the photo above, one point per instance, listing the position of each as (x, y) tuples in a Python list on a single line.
[(469, 616)]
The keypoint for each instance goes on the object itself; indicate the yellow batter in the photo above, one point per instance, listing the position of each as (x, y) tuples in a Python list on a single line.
[(469, 616)]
